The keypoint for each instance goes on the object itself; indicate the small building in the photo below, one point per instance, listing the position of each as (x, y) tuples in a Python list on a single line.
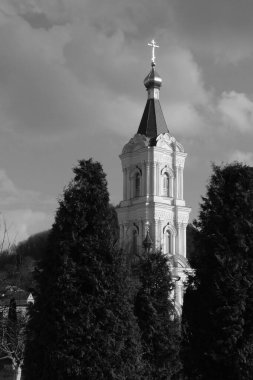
[(22, 299)]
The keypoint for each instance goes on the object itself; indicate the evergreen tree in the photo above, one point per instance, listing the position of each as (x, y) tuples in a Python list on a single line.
[(82, 324), (157, 319), (218, 305)]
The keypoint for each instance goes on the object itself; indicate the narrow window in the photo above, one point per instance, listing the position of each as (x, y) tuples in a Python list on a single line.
[(169, 242), (166, 185), (137, 185)]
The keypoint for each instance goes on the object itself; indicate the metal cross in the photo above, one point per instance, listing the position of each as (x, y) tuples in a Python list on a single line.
[(153, 45)]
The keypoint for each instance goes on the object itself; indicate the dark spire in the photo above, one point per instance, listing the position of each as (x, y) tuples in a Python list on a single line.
[(153, 122)]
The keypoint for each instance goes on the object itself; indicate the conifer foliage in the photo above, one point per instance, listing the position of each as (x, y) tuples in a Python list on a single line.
[(157, 318), (218, 306), (82, 325)]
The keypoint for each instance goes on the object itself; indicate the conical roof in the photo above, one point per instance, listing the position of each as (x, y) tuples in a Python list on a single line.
[(153, 122)]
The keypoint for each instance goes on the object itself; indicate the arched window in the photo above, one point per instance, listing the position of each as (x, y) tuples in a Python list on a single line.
[(169, 237), (166, 185), (137, 184), (169, 242)]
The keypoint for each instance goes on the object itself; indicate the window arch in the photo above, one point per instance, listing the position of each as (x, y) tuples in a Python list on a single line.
[(169, 239), (166, 182), (169, 242), (137, 185), (166, 185), (136, 182), (132, 237)]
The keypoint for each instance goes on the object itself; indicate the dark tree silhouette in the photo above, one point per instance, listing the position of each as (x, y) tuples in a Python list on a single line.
[(157, 318), (82, 325), (218, 305)]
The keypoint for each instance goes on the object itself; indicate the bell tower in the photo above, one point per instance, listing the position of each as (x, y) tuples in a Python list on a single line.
[(153, 209)]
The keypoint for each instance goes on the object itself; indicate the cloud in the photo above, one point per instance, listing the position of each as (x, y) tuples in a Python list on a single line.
[(18, 225), (71, 75), (184, 119), (12, 196), (41, 89), (240, 156), (73, 66), (236, 111), (182, 77), (16, 213), (37, 93), (107, 16), (64, 64), (221, 29)]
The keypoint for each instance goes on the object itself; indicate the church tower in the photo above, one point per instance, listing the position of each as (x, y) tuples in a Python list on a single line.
[(153, 210)]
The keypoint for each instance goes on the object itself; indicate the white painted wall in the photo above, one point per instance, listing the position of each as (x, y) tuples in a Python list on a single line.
[(152, 209)]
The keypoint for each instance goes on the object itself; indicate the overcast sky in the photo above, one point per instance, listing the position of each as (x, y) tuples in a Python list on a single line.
[(71, 87)]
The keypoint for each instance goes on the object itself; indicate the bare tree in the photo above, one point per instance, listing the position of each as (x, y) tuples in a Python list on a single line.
[(7, 242), (12, 344), (12, 323)]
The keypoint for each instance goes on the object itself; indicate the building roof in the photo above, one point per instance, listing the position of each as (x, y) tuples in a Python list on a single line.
[(22, 298), (152, 122)]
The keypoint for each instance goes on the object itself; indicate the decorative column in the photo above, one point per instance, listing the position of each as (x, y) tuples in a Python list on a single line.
[(184, 226), (124, 184), (153, 178), (176, 183), (177, 247), (147, 179), (157, 178), (155, 229), (171, 187), (182, 182), (127, 184)]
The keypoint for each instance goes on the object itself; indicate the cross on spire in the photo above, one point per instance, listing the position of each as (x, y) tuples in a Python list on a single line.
[(153, 45)]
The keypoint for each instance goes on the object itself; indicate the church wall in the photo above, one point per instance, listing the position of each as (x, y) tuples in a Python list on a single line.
[(153, 188)]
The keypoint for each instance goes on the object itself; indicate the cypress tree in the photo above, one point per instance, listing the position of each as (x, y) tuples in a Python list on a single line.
[(82, 324), (218, 310), (157, 319)]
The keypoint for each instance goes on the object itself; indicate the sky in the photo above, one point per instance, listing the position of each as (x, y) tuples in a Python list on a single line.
[(71, 87)]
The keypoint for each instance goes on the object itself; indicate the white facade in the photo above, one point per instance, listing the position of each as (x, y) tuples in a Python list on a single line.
[(153, 199)]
